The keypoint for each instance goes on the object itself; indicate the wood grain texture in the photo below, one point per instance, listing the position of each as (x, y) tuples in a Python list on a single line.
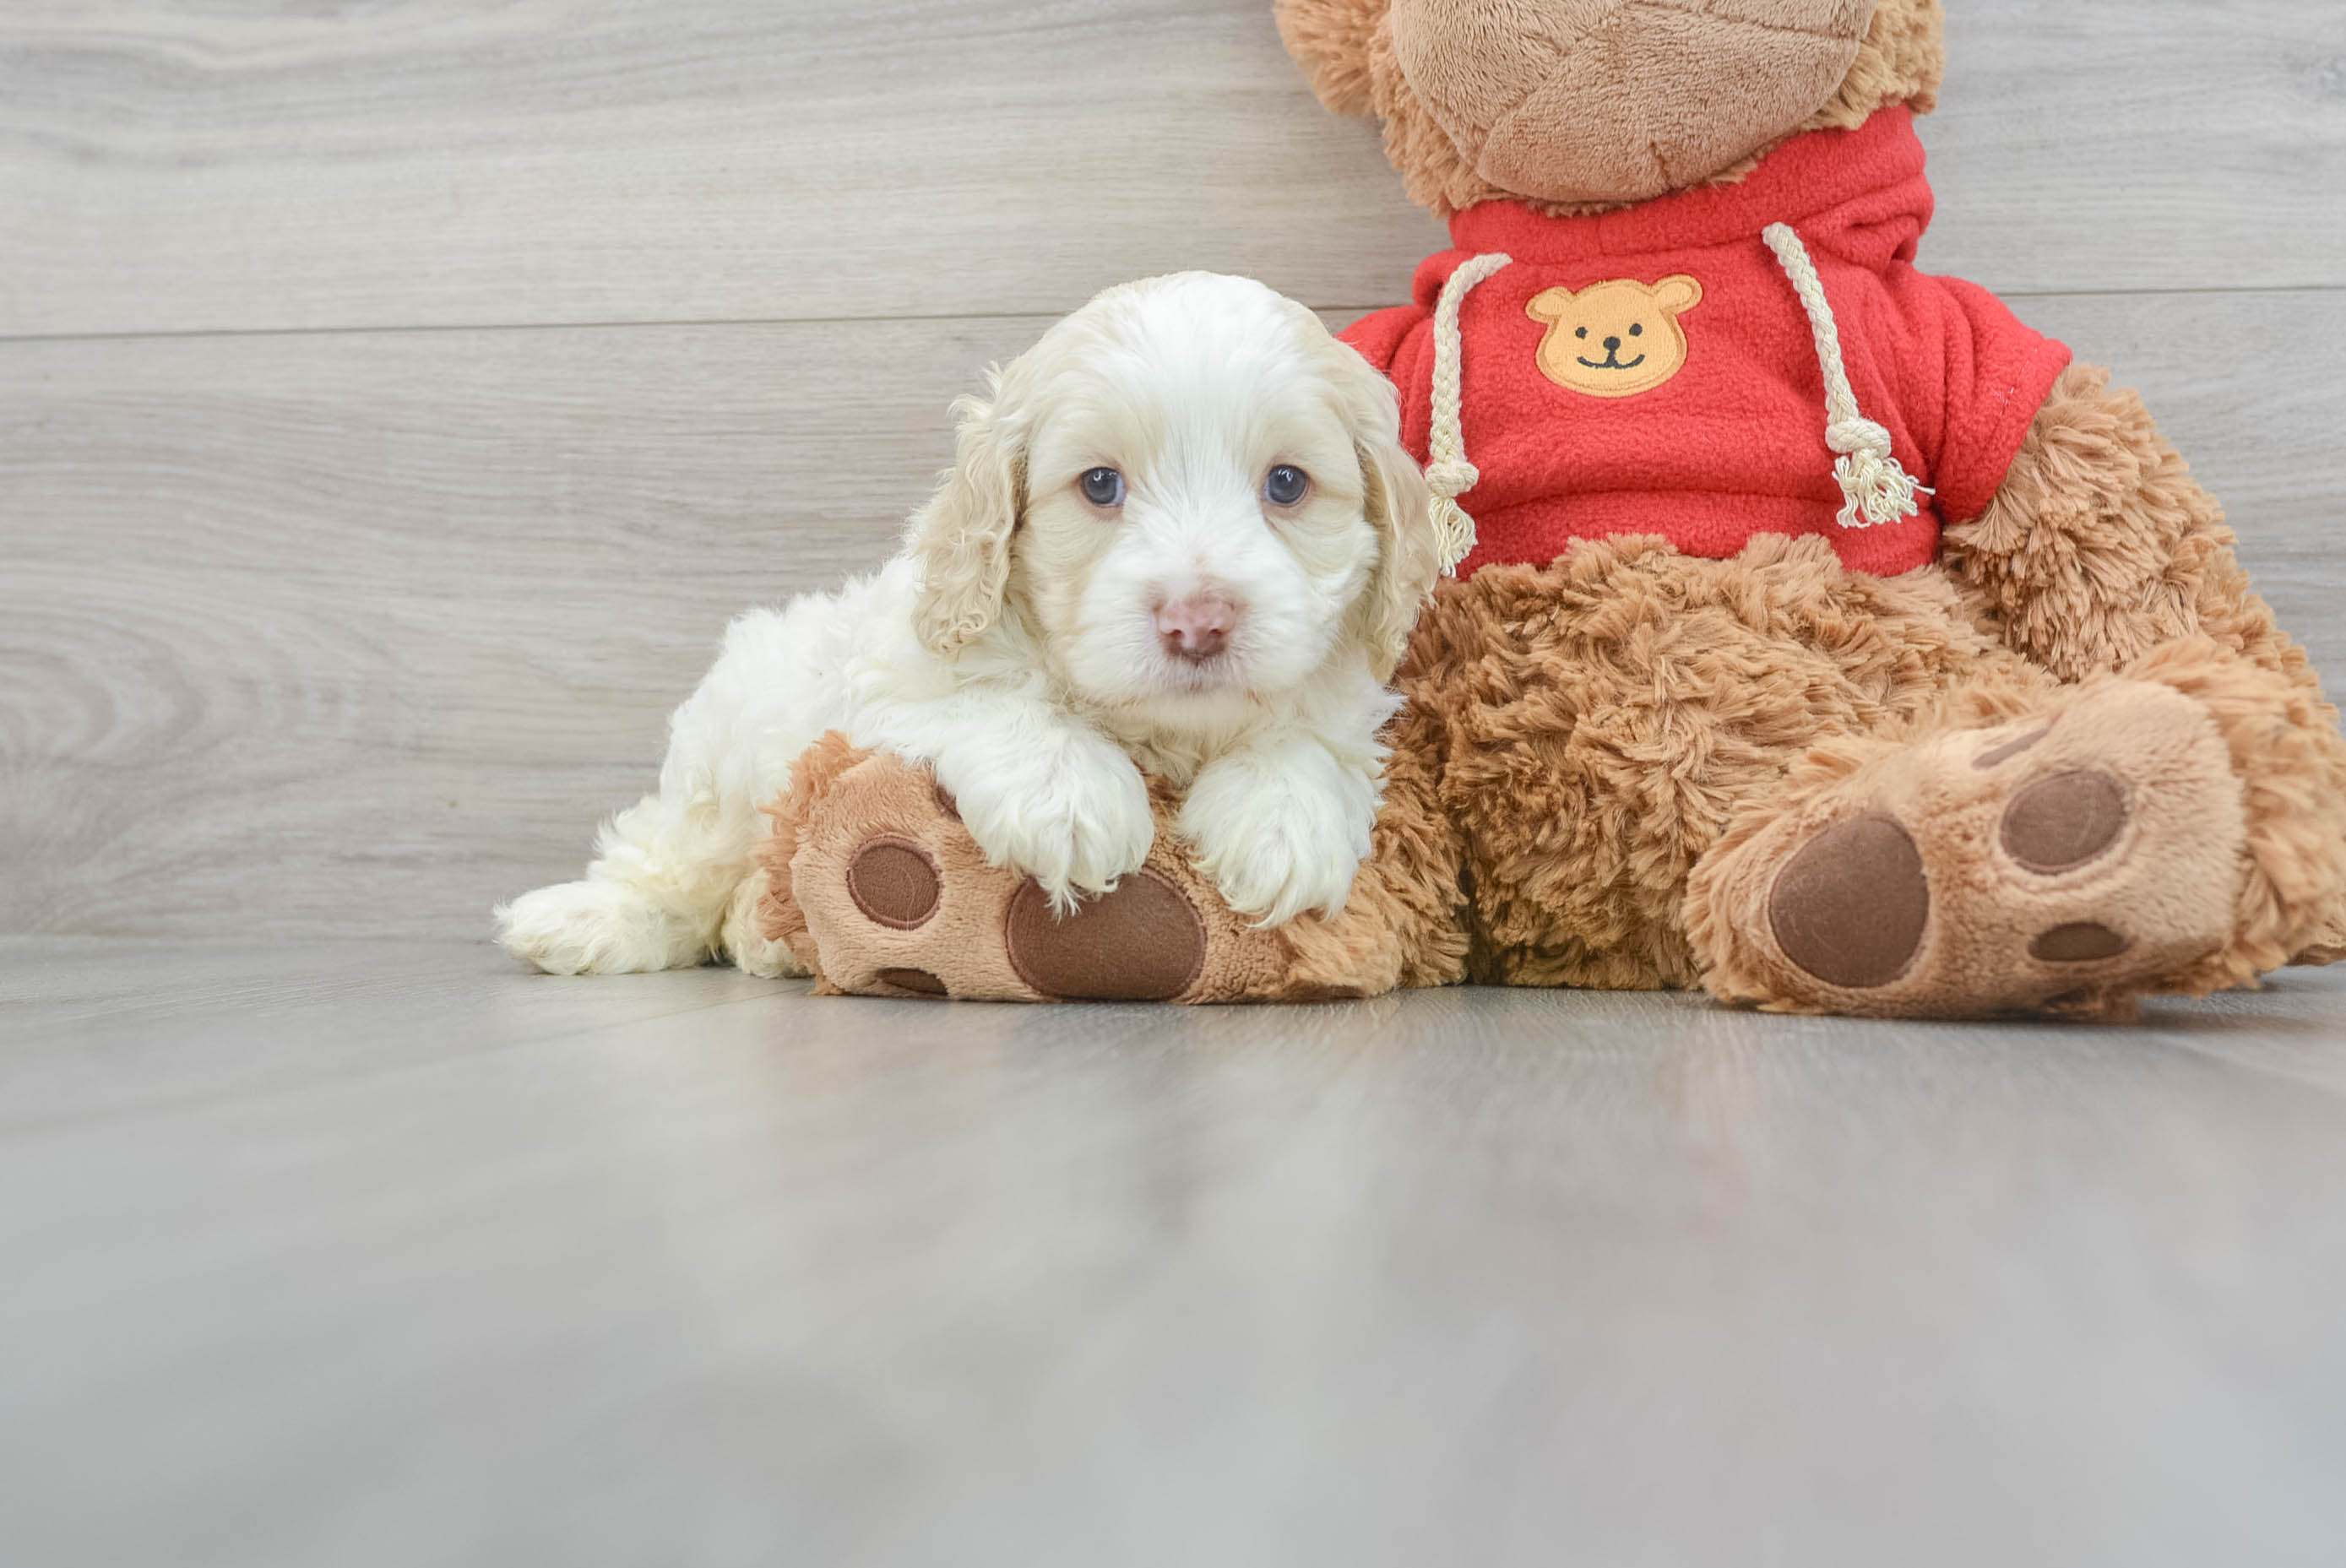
[(2125, 144), (593, 160), (362, 632), (402, 1257), (178, 167), (302, 628)]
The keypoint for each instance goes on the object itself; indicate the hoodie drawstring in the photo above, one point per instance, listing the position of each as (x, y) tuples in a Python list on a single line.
[(1447, 472), (1873, 487)]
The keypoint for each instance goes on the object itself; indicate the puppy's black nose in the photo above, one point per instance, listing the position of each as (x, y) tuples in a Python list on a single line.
[(1612, 345)]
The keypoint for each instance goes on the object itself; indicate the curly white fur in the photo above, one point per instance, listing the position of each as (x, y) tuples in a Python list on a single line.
[(1013, 645)]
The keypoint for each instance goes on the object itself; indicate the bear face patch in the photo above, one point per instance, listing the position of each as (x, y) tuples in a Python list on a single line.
[(1615, 338)]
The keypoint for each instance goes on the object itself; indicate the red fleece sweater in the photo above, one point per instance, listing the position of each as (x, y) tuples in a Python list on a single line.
[(1575, 440)]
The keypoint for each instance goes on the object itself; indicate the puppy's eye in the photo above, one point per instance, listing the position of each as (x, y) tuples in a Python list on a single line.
[(1285, 485), (1636, 329), (1581, 333), (1103, 487)]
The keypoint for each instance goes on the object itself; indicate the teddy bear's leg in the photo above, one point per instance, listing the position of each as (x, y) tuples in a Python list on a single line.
[(2100, 546), (2179, 827), (1612, 715), (872, 883)]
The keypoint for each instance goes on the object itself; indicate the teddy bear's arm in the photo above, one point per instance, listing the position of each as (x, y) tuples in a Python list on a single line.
[(1399, 342), (1380, 336), (2099, 546)]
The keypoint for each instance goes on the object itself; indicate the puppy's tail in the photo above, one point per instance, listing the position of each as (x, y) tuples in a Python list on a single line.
[(655, 898), (599, 927)]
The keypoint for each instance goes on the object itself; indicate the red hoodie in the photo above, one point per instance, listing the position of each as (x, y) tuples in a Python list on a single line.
[(1705, 421)]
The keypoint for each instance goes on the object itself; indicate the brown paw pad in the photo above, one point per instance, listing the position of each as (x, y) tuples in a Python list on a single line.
[(1143, 942), (1308, 993), (893, 883), (2067, 821), (2081, 941), (1850, 906), (919, 981), (1998, 755)]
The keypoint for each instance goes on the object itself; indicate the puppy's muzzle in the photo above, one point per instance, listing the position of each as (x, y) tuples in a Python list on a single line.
[(1197, 626)]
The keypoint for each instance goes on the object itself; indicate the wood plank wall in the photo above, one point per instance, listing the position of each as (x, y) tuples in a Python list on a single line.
[(394, 403)]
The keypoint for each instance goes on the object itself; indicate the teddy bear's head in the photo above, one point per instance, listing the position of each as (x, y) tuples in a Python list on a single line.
[(1577, 105)]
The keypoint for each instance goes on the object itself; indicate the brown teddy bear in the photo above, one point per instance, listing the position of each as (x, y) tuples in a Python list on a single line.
[(1822, 635)]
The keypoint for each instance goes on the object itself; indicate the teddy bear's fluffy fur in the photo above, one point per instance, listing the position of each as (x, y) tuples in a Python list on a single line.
[(1633, 767)]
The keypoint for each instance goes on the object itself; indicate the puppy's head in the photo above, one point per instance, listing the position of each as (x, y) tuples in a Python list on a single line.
[(1188, 489)]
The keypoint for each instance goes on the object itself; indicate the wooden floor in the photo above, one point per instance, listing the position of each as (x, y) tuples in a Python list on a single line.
[(395, 1256), (394, 402)]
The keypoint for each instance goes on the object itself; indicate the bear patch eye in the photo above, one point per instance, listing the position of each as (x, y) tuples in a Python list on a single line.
[(1636, 329), (1285, 484), (1103, 487), (1581, 333)]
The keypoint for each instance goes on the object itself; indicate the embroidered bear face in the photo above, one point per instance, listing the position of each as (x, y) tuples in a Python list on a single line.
[(1615, 338)]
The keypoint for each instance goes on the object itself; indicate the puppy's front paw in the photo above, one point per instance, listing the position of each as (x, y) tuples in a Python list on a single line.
[(746, 943), (1280, 835), (1074, 814)]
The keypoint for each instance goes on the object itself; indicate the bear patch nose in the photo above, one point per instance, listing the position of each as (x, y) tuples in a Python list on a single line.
[(1196, 627), (1612, 345)]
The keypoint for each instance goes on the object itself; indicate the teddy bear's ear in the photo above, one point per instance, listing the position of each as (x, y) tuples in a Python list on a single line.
[(1678, 294), (1329, 39), (1552, 305)]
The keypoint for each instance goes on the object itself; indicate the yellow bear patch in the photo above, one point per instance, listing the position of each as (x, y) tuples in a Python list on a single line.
[(1615, 338)]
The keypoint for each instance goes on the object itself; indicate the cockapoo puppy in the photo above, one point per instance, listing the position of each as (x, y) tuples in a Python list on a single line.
[(1180, 535)]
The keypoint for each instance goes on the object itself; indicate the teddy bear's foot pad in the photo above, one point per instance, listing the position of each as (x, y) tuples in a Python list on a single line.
[(1142, 941), (1850, 907), (1983, 871), (886, 895)]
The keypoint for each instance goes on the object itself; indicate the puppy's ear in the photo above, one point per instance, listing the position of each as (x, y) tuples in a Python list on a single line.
[(961, 537), (1408, 558), (1329, 39), (1398, 504)]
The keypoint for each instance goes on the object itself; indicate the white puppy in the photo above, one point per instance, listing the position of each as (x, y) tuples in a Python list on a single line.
[(1180, 535)]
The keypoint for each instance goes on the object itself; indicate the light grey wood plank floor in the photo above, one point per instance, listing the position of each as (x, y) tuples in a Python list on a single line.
[(400, 1257)]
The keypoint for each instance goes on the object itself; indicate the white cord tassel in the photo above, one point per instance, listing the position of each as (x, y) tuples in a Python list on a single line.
[(1447, 472), (1877, 490)]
